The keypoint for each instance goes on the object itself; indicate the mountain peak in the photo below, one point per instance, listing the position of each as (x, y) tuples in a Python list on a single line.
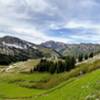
[(15, 42), (11, 39), (55, 45)]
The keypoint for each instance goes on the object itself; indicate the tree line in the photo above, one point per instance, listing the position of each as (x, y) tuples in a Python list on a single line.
[(82, 57), (64, 64), (55, 66), (8, 59)]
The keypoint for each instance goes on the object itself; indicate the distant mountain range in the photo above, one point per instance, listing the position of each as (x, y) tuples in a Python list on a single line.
[(16, 49), (22, 50), (72, 49)]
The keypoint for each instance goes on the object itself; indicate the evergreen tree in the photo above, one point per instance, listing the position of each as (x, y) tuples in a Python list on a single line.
[(67, 62), (73, 62), (80, 58), (86, 57), (70, 63), (91, 55), (52, 68), (59, 66)]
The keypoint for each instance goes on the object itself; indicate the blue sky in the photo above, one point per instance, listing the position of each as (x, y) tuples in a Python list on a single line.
[(69, 21)]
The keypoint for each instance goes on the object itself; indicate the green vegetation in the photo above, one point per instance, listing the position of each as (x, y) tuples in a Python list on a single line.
[(79, 83), (80, 58), (18, 85), (48, 52), (91, 55), (55, 66), (83, 56), (8, 59), (86, 57), (81, 88)]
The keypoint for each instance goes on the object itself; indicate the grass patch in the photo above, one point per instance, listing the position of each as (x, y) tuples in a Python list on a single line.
[(44, 86), (82, 88)]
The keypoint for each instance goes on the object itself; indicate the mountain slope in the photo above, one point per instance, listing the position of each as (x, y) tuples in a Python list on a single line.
[(72, 49), (15, 49), (54, 45)]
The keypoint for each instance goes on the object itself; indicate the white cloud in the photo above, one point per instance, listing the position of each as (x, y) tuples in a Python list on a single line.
[(38, 6), (80, 24), (32, 20), (39, 37)]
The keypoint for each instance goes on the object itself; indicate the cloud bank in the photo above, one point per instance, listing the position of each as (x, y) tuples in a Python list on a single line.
[(70, 21)]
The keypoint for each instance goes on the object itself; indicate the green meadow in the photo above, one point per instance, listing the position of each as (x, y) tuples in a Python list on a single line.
[(44, 86)]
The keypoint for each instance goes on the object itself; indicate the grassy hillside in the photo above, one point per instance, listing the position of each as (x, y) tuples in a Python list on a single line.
[(86, 87), (15, 85), (49, 52), (22, 66), (71, 85)]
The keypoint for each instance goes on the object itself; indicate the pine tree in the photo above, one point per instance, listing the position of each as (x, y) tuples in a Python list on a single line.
[(91, 55), (86, 57), (52, 68), (73, 61), (67, 63), (80, 58)]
